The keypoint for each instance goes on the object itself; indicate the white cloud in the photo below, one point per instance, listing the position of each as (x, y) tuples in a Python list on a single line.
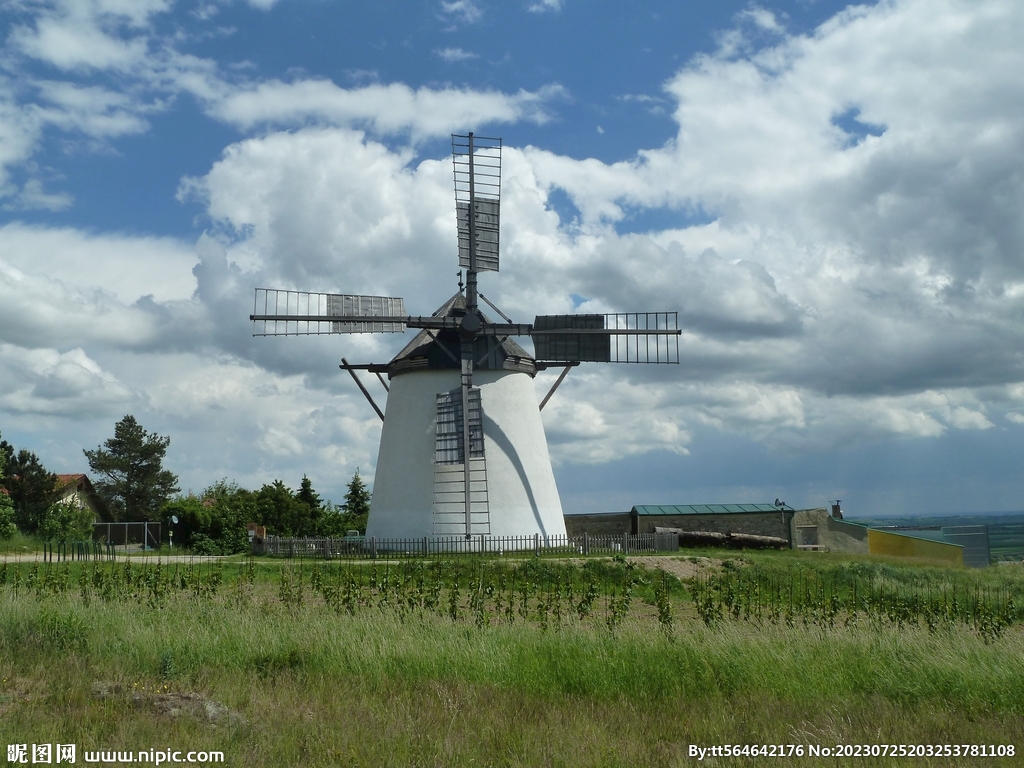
[(33, 197), (384, 109), (1015, 417), (46, 382), (230, 418), (62, 288), (73, 38), (92, 110), (455, 54), (464, 11), (127, 267), (762, 18), (544, 6)]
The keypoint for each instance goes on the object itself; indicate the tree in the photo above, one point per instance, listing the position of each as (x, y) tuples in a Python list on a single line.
[(31, 487), (357, 503), (306, 495), (66, 521), (6, 456), (284, 513), (214, 523), (136, 485), (7, 526)]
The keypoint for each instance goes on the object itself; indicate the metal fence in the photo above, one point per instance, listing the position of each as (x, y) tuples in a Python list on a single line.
[(146, 534), (77, 550), (359, 548)]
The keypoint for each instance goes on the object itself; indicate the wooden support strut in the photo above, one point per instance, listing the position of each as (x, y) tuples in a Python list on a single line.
[(352, 373), (561, 376)]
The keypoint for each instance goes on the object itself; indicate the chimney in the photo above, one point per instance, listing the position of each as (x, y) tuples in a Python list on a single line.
[(836, 512)]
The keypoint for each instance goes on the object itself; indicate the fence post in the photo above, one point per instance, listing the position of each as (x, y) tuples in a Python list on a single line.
[(536, 544), (586, 543), (625, 543), (373, 547)]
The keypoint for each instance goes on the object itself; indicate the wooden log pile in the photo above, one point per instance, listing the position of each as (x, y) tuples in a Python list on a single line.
[(730, 540)]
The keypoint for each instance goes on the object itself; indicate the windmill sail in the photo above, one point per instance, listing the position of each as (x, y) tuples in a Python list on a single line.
[(365, 306), (302, 313), (477, 168), (569, 346), (624, 337), (487, 221)]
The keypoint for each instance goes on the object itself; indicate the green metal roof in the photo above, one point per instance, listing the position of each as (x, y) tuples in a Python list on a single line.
[(705, 509)]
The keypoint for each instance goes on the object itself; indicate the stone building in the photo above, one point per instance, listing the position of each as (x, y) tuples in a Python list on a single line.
[(818, 529)]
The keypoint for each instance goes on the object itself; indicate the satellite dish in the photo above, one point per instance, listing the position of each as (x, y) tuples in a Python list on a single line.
[(174, 519)]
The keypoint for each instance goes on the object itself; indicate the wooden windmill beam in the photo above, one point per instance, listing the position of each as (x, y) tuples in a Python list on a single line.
[(352, 373), (561, 376)]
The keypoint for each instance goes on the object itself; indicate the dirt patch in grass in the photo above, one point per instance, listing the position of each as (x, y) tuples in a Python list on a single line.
[(681, 568), (170, 703)]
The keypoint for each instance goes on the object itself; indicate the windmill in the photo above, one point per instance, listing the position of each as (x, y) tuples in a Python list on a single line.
[(463, 451)]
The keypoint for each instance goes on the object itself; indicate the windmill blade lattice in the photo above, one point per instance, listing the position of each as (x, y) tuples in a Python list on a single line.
[(623, 337), (301, 313), (476, 162)]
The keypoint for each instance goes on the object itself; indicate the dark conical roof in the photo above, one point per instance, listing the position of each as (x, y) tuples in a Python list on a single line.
[(439, 350)]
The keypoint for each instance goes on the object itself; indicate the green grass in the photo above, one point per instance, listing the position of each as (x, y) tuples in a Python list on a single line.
[(19, 543), (292, 677)]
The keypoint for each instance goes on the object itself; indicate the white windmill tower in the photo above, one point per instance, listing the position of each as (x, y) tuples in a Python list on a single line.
[(462, 450)]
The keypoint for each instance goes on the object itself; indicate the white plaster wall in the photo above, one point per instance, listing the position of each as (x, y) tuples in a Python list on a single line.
[(522, 496)]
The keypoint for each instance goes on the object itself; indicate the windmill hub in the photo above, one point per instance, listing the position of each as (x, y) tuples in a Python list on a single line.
[(470, 325), (464, 454)]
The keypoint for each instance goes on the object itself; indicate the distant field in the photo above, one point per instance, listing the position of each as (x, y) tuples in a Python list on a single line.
[(1005, 530), (512, 663)]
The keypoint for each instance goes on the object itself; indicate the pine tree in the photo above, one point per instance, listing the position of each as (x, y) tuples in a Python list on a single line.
[(7, 527), (135, 484), (31, 487), (357, 503)]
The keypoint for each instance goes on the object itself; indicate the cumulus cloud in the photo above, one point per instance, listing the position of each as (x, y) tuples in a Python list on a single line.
[(127, 267), (49, 383), (384, 109), (871, 266)]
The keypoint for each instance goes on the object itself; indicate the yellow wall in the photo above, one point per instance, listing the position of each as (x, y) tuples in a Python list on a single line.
[(897, 545)]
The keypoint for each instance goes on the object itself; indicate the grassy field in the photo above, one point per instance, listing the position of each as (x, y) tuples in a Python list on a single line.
[(516, 663)]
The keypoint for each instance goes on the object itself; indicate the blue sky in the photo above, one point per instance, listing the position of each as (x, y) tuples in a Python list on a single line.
[(829, 195)]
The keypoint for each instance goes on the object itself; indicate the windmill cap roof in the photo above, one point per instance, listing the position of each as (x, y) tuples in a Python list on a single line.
[(440, 350)]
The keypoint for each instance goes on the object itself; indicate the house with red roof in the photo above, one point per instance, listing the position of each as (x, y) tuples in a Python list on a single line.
[(78, 490)]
